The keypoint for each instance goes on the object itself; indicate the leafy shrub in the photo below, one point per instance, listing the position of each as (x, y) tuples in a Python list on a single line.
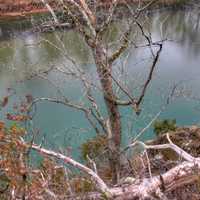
[(163, 126)]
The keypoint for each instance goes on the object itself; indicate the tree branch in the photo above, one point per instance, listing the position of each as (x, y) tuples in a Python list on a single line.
[(184, 173), (100, 185), (150, 75), (49, 8)]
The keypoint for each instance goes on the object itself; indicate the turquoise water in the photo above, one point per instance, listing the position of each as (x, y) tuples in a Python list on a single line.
[(23, 53)]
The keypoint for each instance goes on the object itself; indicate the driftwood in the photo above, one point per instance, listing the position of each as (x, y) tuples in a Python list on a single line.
[(184, 173)]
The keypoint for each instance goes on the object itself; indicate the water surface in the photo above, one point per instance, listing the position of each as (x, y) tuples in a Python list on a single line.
[(22, 53)]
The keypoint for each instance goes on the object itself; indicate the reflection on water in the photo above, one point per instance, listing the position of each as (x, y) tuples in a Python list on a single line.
[(23, 53)]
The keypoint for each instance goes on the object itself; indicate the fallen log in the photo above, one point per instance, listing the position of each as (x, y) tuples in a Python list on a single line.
[(182, 174)]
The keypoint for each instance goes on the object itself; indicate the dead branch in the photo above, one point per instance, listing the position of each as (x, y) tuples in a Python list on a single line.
[(178, 176), (100, 185), (150, 74), (184, 173)]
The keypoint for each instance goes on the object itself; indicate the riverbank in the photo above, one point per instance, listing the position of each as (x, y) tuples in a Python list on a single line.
[(14, 9), (162, 160), (10, 9)]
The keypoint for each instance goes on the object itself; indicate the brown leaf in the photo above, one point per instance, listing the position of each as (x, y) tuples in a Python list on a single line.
[(4, 102), (2, 125)]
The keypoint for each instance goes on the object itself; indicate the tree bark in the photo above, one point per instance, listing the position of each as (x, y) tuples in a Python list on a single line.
[(104, 70)]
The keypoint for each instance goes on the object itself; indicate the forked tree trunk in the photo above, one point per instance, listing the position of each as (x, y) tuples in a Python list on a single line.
[(104, 70)]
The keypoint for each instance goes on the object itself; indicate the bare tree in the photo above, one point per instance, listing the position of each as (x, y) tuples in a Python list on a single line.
[(92, 25), (93, 20)]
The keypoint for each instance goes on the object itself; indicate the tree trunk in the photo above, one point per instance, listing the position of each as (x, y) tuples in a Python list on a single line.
[(104, 70)]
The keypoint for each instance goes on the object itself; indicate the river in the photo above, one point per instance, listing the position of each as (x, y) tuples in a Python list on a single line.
[(23, 52)]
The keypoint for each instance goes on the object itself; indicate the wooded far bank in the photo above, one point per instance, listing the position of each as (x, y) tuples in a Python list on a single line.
[(22, 8)]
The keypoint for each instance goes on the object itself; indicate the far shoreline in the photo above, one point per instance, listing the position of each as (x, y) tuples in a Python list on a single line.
[(22, 12)]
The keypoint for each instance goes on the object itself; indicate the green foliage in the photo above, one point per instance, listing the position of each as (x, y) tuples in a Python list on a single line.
[(94, 146), (163, 126)]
